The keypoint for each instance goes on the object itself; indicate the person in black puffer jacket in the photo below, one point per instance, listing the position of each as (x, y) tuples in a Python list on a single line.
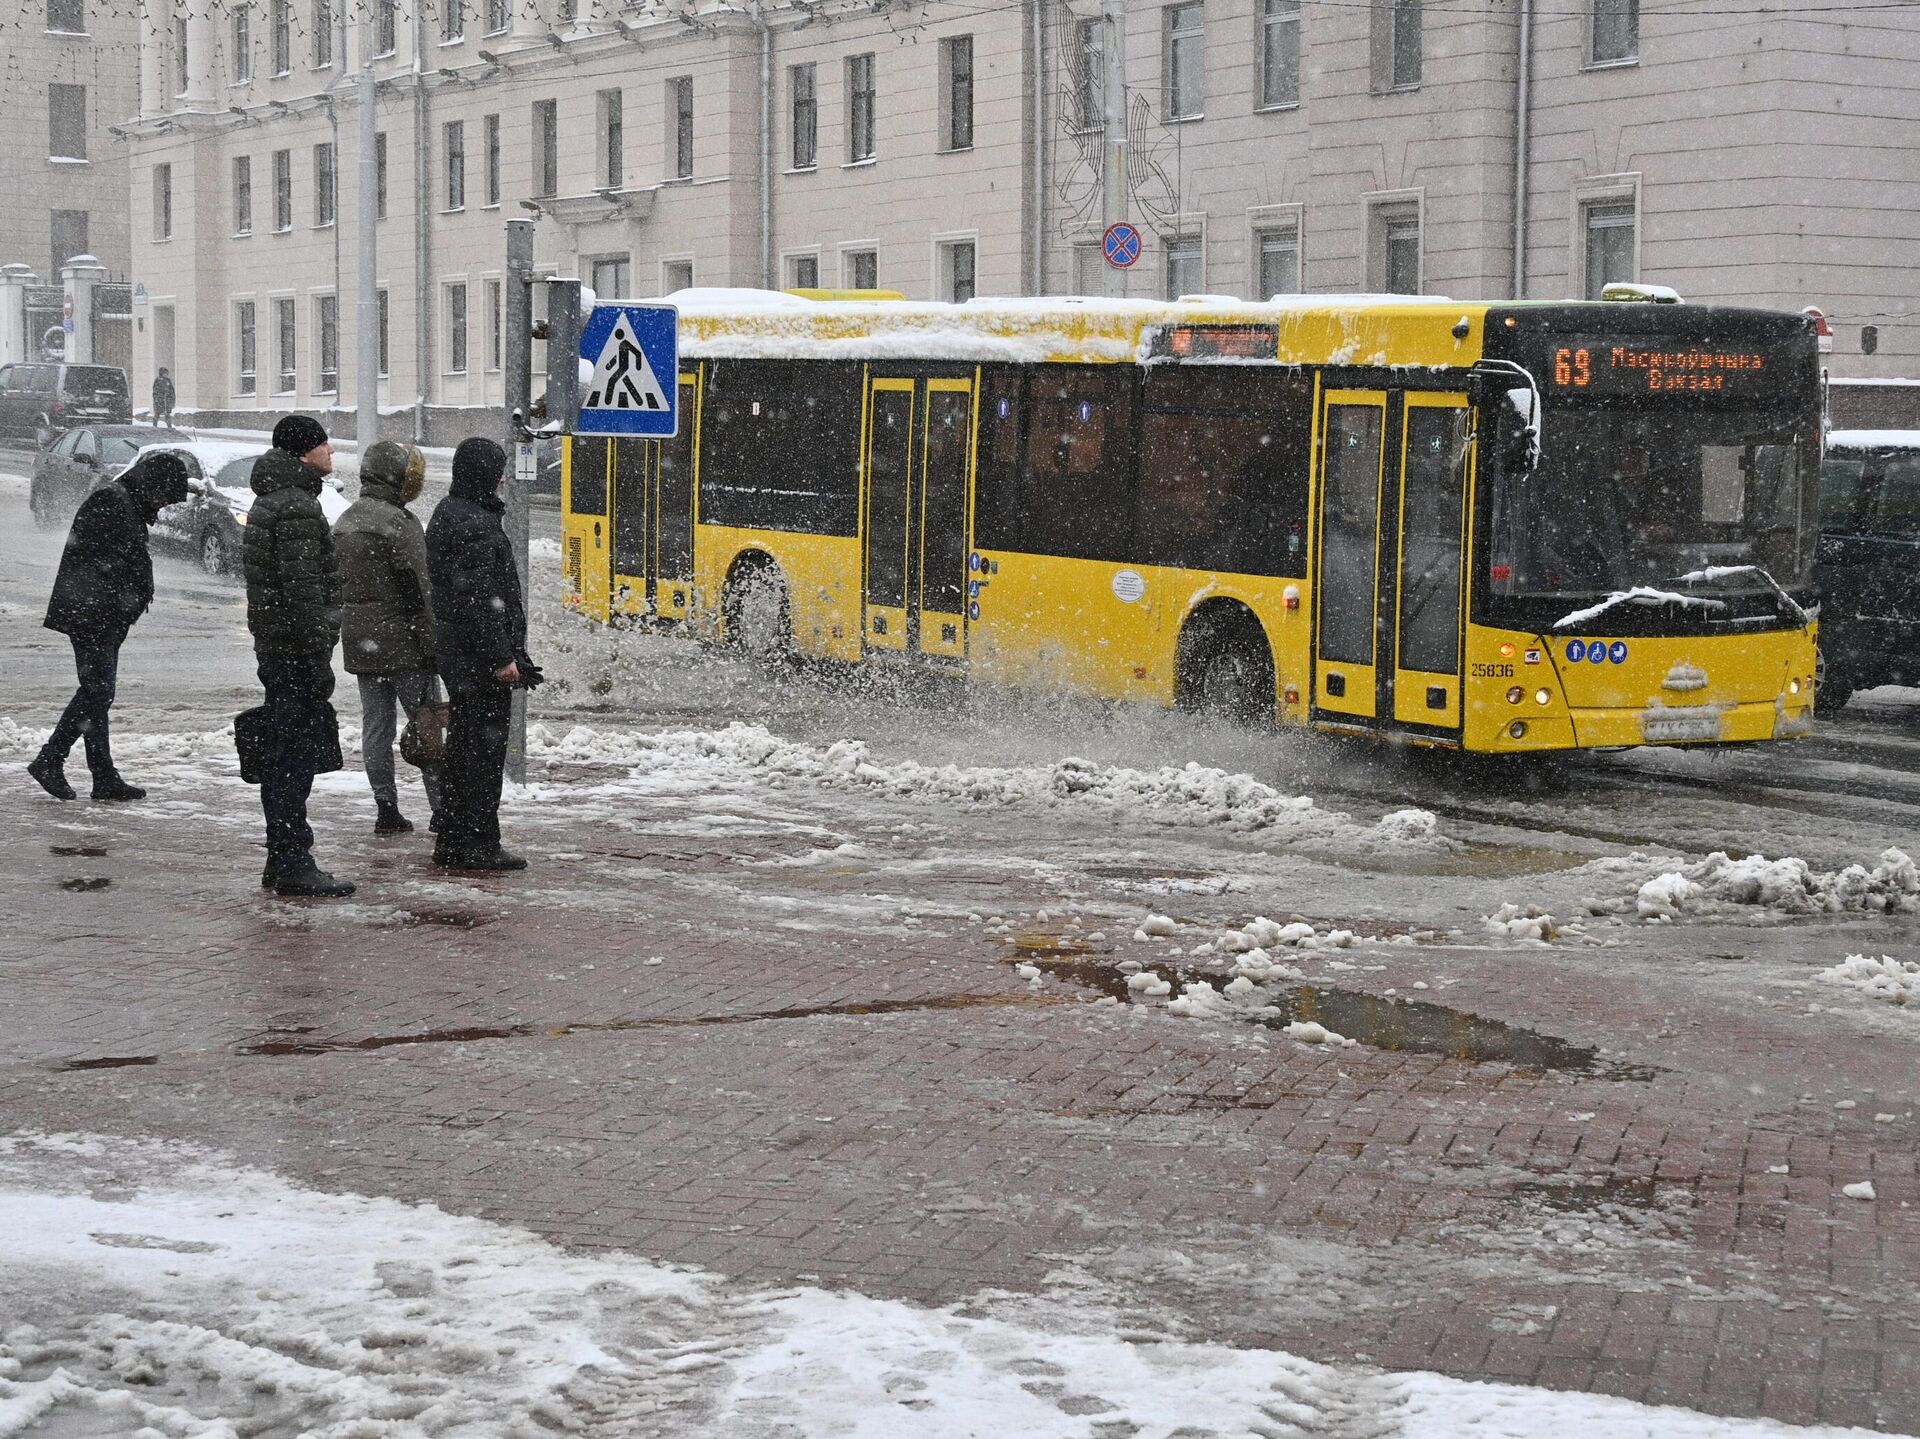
[(293, 609), (480, 627), (105, 583)]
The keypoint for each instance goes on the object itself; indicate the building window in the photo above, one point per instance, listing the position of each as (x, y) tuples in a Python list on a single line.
[(67, 17), (326, 189), (1397, 44), (456, 161), (957, 271), (380, 175), (499, 16), (282, 26), (860, 107), (1278, 262), (956, 92), (180, 55), (1186, 62), (803, 272), (546, 148), (326, 324), (242, 44), (322, 34), (1090, 270), (67, 122), (69, 236), (1614, 31), (496, 318), (163, 202), (490, 139), (386, 27), (613, 140), (285, 362), (804, 106), (1279, 53), (283, 190), (453, 20), (675, 275), (246, 349), (1609, 226), (611, 275), (1186, 266), (1393, 259), (457, 329), (242, 195), (1089, 74), (385, 350), (680, 106), (861, 269)]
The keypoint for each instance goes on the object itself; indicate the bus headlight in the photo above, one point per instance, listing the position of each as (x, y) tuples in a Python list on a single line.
[(1515, 695), (1542, 696)]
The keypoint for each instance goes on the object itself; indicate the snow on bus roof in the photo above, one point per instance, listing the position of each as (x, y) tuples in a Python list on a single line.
[(1873, 439)]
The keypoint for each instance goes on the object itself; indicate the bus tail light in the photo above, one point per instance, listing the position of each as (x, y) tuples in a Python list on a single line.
[(1293, 694), (1290, 597)]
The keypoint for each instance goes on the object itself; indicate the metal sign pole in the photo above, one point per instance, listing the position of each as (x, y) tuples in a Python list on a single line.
[(517, 358)]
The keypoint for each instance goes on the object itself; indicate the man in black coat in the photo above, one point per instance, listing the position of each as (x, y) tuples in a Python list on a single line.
[(293, 610), (163, 397), (480, 629), (105, 583)]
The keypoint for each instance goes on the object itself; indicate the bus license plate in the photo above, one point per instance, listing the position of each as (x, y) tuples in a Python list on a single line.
[(1670, 725)]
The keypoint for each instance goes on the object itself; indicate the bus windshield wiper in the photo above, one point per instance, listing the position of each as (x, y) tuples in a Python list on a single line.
[(1727, 572), (1638, 595)]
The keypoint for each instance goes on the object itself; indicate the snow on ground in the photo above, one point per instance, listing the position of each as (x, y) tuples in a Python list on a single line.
[(1897, 981), (1791, 886), (162, 1292)]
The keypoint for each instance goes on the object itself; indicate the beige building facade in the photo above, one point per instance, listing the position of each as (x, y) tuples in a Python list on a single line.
[(951, 149)]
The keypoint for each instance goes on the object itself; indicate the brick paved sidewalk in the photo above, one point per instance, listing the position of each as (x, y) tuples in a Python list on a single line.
[(815, 1083)]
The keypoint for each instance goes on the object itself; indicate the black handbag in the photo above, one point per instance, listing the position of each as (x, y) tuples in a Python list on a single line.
[(326, 740), (253, 741), (250, 742)]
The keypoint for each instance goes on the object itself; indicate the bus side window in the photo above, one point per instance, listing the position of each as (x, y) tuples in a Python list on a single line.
[(1079, 464), (589, 475), (997, 488), (780, 441), (1839, 491)]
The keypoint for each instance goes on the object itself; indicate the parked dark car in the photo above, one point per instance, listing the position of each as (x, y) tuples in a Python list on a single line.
[(1869, 567), (211, 522), (38, 400), (68, 469)]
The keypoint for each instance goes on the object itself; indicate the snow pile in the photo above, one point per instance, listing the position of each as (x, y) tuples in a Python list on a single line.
[(1664, 896), (1897, 981), (1862, 1190), (16, 737), (1789, 885), (744, 754), (1511, 921), (1259, 935), (1258, 966), (1200, 999), (1308, 1031)]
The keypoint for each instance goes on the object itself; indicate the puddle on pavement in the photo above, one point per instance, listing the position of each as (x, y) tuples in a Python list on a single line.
[(87, 885), (414, 914), (1592, 1195), (1413, 1026), (110, 1062), (80, 851), (1480, 861)]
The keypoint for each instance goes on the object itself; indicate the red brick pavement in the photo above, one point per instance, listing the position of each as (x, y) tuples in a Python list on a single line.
[(935, 1128)]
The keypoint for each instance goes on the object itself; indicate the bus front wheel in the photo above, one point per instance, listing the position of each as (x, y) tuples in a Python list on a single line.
[(756, 612), (1226, 670)]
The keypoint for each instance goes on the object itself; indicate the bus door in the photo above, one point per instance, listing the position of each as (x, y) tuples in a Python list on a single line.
[(586, 546), (1432, 540), (1347, 598), (918, 463), (653, 518)]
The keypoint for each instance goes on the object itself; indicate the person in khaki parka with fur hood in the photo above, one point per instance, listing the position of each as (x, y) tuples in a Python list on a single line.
[(386, 619)]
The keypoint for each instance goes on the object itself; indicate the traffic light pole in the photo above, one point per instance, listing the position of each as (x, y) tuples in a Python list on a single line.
[(517, 359)]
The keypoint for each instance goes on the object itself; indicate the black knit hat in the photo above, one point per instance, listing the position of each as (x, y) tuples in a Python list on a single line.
[(478, 465), (297, 434)]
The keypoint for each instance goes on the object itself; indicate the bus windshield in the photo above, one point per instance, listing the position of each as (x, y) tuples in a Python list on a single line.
[(1648, 497)]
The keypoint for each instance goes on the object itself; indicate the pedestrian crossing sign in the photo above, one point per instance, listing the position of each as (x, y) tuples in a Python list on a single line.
[(635, 354)]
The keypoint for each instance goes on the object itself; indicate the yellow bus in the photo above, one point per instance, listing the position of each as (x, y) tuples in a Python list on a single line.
[(1497, 528)]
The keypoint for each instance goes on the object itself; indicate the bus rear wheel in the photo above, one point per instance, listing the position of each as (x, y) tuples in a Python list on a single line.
[(756, 612), (1226, 670)]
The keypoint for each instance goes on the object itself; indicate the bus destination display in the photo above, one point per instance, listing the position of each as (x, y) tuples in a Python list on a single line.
[(1602, 367)]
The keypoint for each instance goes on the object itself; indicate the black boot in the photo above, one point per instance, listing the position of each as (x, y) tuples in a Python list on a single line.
[(389, 820), (303, 879), (50, 775), (493, 857), (114, 790)]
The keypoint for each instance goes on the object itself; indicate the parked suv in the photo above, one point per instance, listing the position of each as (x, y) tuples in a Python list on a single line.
[(1869, 569), (41, 399)]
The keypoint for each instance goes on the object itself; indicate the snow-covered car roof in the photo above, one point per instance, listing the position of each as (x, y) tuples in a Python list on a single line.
[(1873, 440), (212, 454)]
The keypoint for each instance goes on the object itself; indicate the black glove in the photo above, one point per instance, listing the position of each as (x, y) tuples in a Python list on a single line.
[(530, 674)]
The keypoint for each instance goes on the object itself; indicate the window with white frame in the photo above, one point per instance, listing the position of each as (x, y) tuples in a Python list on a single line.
[(242, 194), (1393, 248), (386, 26), (380, 302), (322, 34), (163, 202), (240, 21), (1613, 32), (957, 278), (180, 54), (1398, 44), (283, 190), (546, 148), (326, 343), (490, 141), (610, 106), (676, 275), (380, 175), (453, 20), (1184, 61), (1186, 265), (281, 24), (246, 349), (860, 269), (803, 106), (1609, 228), (611, 276), (457, 328), (1279, 53), (68, 231), (860, 107), (455, 145), (326, 187), (1277, 261), (285, 334), (496, 318), (680, 106), (67, 122), (803, 272), (1089, 74), (499, 16), (67, 17), (956, 92)]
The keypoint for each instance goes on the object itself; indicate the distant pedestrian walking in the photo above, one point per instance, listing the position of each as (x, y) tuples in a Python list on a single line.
[(293, 610), (163, 397), (386, 618), (480, 626), (105, 583)]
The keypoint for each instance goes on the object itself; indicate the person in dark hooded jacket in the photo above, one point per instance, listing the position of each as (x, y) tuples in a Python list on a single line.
[(293, 609), (105, 583), (386, 618), (481, 630)]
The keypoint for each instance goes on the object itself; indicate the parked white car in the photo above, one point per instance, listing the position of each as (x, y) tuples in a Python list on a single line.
[(211, 522)]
